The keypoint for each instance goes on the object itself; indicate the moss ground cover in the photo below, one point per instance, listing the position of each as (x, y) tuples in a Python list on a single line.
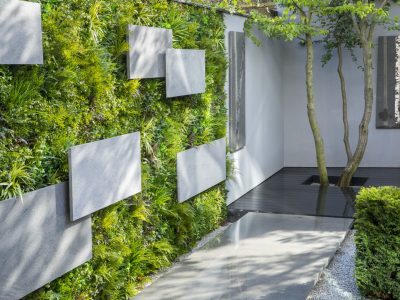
[(81, 94)]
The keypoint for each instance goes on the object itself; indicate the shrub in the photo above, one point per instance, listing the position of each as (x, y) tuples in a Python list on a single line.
[(82, 94), (378, 242)]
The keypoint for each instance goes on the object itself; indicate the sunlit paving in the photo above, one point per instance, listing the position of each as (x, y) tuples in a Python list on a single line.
[(261, 256)]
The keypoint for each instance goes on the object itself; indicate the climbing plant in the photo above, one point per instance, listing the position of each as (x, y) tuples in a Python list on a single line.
[(81, 94)]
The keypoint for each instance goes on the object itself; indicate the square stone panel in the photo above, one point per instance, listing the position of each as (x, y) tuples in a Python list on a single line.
[(186, 72), (20, 33), (147, 47), (201, 168), (103, 173), (38, 242)]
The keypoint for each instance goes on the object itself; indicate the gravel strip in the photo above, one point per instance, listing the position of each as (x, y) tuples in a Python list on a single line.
[(337, 280)]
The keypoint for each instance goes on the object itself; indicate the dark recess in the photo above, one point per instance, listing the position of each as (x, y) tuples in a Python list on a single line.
[(355, 182)]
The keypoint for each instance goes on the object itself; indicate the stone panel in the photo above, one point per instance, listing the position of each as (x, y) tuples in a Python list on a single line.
[(237, 93), (20, 33), (38, 242), (388, 85), (185, 72), (147, 46), (201, 168), (103, 173)]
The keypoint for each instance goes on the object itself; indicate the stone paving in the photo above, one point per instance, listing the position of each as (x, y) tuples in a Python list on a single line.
[(261, 256)]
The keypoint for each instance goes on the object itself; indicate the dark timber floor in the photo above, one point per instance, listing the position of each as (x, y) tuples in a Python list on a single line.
[(284, 193)]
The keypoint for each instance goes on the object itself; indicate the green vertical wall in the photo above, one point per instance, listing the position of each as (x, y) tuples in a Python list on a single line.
[(81, 94)]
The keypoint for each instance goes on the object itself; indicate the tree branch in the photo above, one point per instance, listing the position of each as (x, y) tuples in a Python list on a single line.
[(355, 23), (301, 11), (384, 2)]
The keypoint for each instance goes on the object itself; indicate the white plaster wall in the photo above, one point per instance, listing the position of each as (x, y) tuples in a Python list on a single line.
[(384, 144), (263, 154)]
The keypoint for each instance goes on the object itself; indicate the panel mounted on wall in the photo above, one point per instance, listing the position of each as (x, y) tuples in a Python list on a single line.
[(39, 243), (20, 33), (186, 72), (237, 95), (200, 168), (147, 47), (103, 173), (388, 85)]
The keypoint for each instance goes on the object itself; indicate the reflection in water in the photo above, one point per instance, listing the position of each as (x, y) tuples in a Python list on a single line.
[(349, 195)]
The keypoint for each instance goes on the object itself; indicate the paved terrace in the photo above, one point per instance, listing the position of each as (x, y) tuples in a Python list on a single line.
[(261, 256)]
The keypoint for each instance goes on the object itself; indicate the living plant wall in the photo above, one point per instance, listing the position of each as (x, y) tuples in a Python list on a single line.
[(82, 94)]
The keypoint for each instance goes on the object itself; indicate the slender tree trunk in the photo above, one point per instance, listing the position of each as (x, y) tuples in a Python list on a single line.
[(312, 117), (346, 138), (354, 163)]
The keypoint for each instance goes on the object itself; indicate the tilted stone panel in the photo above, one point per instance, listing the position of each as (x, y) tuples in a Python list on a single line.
[(103, 173), (201, 168), (38, 242)]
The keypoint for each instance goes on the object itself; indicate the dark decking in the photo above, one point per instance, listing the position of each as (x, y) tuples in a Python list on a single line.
[(284, 193)]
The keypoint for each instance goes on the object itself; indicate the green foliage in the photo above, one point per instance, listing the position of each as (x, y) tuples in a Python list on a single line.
[(378, 242), (296, 21), (340, 33), (81, 94)]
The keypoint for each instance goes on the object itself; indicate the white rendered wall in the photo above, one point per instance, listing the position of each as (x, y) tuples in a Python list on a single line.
[(384, 144), (263, 154)]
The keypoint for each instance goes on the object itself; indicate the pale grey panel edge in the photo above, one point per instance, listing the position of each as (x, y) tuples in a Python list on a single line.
[(237, 92), (147, 47), (38, 242), (186, 72), (200, 168), (20, 33), (103, 173)]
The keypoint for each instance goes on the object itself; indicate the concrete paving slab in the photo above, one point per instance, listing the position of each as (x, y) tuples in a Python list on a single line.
[(186, 72), (261, 256), (38, 242), (147, 47), (20, 33), (103, 173), (201, 168)]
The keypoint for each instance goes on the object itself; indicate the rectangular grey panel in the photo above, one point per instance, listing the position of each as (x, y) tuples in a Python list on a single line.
[(38, 241), (186, 72), (237, 95), (103, 173), (201, 168), (147, 46), (20, 33), (388, 85)]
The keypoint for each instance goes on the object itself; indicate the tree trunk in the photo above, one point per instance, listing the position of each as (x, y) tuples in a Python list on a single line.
[(346, 138), (312, 117), (354, 163)]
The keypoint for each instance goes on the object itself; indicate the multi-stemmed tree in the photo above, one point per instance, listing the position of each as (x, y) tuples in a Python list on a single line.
[(341, 24), (353, 23), (299, 20)]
